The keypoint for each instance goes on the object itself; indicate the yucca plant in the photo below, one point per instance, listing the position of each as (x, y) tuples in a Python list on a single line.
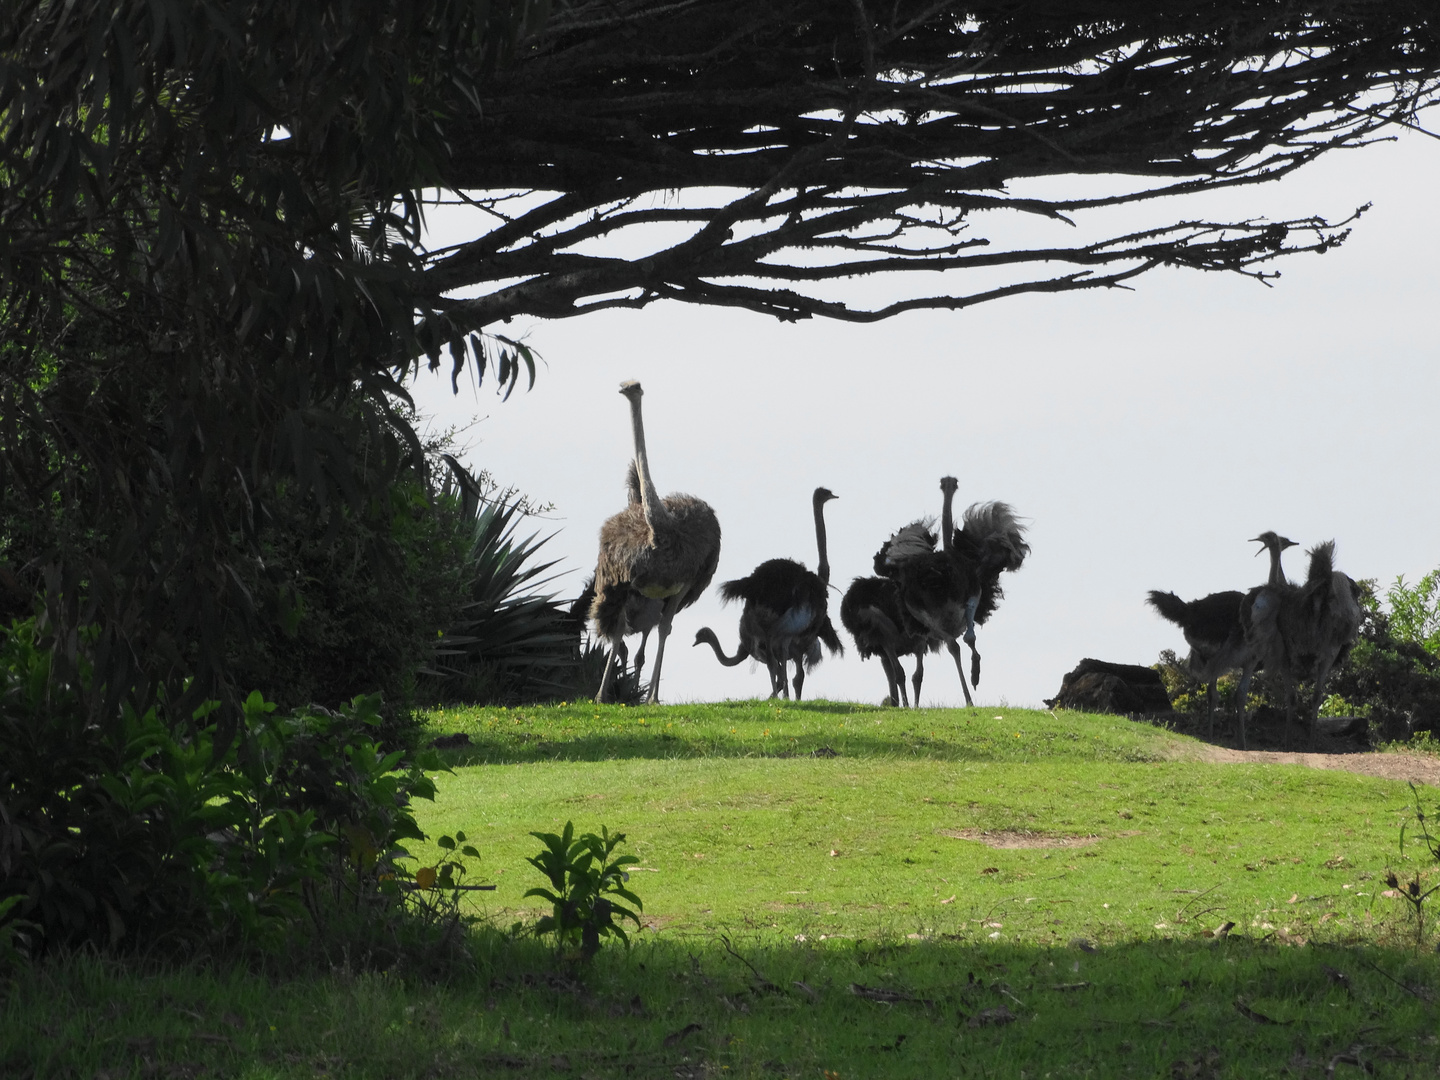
[(512, 641)]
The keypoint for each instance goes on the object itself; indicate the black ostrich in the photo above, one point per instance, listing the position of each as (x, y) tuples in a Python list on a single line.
[(785, 618), (875, 616), (1215, 635), (1300, 631), (951, 591)]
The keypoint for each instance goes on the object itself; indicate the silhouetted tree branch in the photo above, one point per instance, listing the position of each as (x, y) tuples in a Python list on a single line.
[(752, 152)]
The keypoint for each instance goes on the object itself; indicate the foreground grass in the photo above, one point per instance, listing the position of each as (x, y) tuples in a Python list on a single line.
[(840, 891), (1234, 1008)]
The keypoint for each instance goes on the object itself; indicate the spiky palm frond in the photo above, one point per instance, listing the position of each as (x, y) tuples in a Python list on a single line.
[(512, 640)]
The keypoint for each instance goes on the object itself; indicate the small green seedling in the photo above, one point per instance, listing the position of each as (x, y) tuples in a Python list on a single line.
[(585, 884), (1413, 892)]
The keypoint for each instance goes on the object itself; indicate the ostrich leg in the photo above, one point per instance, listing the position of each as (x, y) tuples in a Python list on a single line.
[(640, 654), (1241, 693), (607, 681), (919, 676), (799, 677), (889, 663), (953, 647), (970, 606), (667, 616), (1210, 692)]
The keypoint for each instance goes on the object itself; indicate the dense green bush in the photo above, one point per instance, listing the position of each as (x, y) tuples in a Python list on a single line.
[(1392, 676), (132, 835)]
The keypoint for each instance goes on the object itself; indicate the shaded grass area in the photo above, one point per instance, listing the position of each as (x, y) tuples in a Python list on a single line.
[(868, 1008), (586, 732)]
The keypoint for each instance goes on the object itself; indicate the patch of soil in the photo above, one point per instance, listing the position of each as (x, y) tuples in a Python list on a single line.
[(1015, 838), (1421, 768)]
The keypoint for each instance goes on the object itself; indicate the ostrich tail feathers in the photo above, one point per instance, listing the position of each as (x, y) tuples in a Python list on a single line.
[(996, 530), (607, 610), (1322, 563), (739, 589), (1169, 606), (990, 596), (830, 638)]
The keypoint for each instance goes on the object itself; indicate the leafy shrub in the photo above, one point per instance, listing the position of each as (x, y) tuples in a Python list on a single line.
[(1391, 676), (583, 881), (130, 834), (1415, 611)]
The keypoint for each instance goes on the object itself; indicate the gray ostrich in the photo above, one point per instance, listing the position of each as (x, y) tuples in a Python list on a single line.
[(951, 591), (640, 614), (1215, 635), (1301, 631), (786, 616), (661, 549)]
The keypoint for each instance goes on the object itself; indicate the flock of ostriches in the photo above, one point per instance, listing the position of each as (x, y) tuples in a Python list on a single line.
[(657, 556)]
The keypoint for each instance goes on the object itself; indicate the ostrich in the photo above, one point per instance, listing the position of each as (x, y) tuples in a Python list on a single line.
[(1304, 630), (1215, 635), (661, 549), (640, 613), (950, 591), (875, 616), (785, 616)]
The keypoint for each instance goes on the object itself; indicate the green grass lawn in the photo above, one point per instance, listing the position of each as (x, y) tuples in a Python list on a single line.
[(1003, 825), (834, 891)]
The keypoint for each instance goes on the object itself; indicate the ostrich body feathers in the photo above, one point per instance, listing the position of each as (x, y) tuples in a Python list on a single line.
[(677, 559), (1212, 629)]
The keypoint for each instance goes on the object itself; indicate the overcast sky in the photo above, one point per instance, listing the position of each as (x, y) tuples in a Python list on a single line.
[(1145, 434)]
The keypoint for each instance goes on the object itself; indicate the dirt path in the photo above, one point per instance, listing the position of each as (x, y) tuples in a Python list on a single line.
[(1421, 768)]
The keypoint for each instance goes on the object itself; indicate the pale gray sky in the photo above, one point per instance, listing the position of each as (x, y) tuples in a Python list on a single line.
[(1145, 434)]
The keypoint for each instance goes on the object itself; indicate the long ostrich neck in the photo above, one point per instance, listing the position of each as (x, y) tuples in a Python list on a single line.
[(824, 568), (1277, 575), (649, 497), (947, 521)]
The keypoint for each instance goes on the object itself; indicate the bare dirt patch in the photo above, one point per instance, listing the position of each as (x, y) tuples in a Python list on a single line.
[(1421, 768), (1016, 838)]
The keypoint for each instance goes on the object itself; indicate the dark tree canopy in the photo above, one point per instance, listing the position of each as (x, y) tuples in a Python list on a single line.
[(793, 143), (213, 271)]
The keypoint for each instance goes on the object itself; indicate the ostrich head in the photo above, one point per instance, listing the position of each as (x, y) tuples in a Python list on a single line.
[(824, 495), (1266, 539), (631, 389), (949, 485)]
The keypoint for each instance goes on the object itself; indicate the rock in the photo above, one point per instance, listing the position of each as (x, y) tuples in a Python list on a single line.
[(451, 742), (1125, 689)]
